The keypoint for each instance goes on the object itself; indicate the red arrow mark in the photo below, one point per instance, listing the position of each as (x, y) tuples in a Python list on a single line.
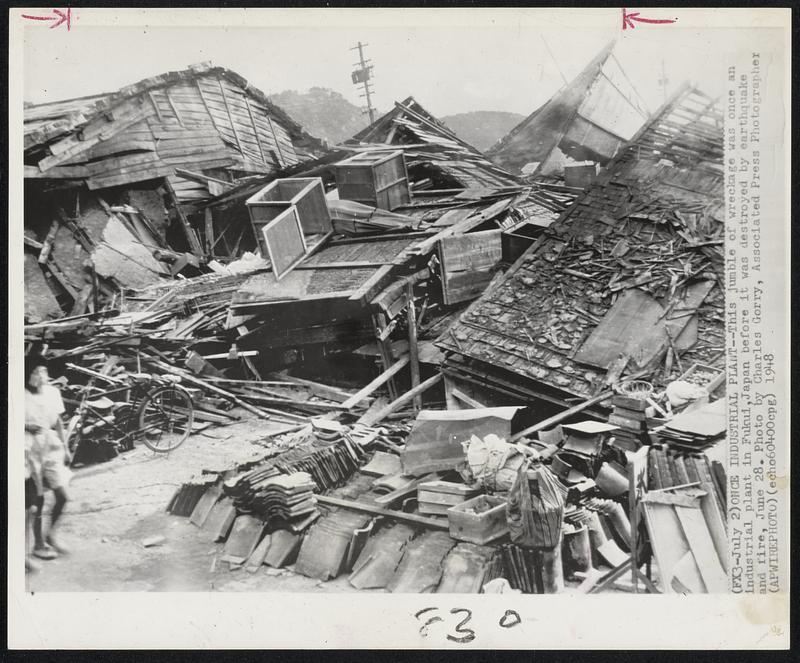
[(58, 16), (628, 19)]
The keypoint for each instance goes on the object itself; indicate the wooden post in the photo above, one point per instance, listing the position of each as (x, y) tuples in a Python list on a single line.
[(413, 349), (450, 400), (209, 230), (636, 490), (191, 236), (384, 349), (371, 420)]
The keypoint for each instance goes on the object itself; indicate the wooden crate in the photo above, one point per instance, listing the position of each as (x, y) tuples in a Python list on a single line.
[(305, 194), (376, 179), (487, 525), (709, 385), (436, 497), (284, 242)]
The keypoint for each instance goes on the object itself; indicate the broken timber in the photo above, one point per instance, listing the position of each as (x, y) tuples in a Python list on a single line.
[(401, 516)]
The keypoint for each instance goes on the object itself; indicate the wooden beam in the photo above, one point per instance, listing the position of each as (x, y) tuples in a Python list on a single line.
[(402, 400), (321, 390), (461, 396), (205, 103), (277, 142), (230, 115), (209, 221), (384, 348), (410, 518), (191, 236), (172, 106), (413, 348), (155, 106), (72, 146), (555, 419), (359, 396), (47, 245), (372, 285), (255, 129), (185, 375)]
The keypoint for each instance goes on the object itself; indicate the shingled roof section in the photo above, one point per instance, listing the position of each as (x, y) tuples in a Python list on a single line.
[(652, 223)]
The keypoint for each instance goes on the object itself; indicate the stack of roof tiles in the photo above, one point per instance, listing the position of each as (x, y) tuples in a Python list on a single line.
[(272, 495)]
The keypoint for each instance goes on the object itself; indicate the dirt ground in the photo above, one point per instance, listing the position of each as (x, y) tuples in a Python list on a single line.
[(115, 505)]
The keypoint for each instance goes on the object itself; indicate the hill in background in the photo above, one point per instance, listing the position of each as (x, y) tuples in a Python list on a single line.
[(323, 113), (326, 114), (482, 129)]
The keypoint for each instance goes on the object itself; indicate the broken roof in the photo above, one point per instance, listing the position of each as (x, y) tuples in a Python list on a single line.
[(590, 118), (48, 121), (643, 242), (428, 141)]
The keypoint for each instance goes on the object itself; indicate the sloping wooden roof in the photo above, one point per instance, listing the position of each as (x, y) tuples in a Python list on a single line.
[(43, 122), (590, 118), (200, 119), (427, 140), (652, 223)]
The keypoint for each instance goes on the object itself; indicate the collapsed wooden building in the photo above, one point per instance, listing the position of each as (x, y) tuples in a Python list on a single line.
[(629, 280), (113, 180), (400, 276)]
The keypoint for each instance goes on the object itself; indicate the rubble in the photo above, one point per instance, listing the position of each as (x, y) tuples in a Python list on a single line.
[(459, 366)]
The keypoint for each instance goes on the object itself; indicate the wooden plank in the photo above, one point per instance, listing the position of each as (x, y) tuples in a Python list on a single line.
[(561, 416), (696, 532), (372, 285), (666, 538), (467, 400), (413, 348), (47, 245), (622, 331), (410, 518), (209, 221), (128, 175), (205, 103), (321, 390), (74, 146), (372, 419), (468, 264), (359, 396), (191, 236)]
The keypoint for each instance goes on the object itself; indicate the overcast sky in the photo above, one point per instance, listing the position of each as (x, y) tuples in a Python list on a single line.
[(489, 64)]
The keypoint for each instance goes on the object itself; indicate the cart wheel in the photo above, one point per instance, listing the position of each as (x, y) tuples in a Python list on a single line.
[(165, 418)]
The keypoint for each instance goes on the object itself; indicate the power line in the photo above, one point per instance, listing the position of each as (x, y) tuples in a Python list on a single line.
[(553, 57)]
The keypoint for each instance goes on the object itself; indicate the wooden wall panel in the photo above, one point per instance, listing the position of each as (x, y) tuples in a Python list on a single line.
[(468, 264)]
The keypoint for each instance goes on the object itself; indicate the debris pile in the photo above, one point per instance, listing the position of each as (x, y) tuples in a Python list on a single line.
[(475, 381)]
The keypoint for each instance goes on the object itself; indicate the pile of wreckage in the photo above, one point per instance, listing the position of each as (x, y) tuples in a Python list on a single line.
[(488, 375)]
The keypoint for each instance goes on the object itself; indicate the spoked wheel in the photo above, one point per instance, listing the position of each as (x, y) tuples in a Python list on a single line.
[(165, 418)]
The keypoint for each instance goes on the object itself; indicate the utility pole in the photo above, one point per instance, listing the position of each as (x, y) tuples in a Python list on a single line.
[(361, 75), (663, 82)]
